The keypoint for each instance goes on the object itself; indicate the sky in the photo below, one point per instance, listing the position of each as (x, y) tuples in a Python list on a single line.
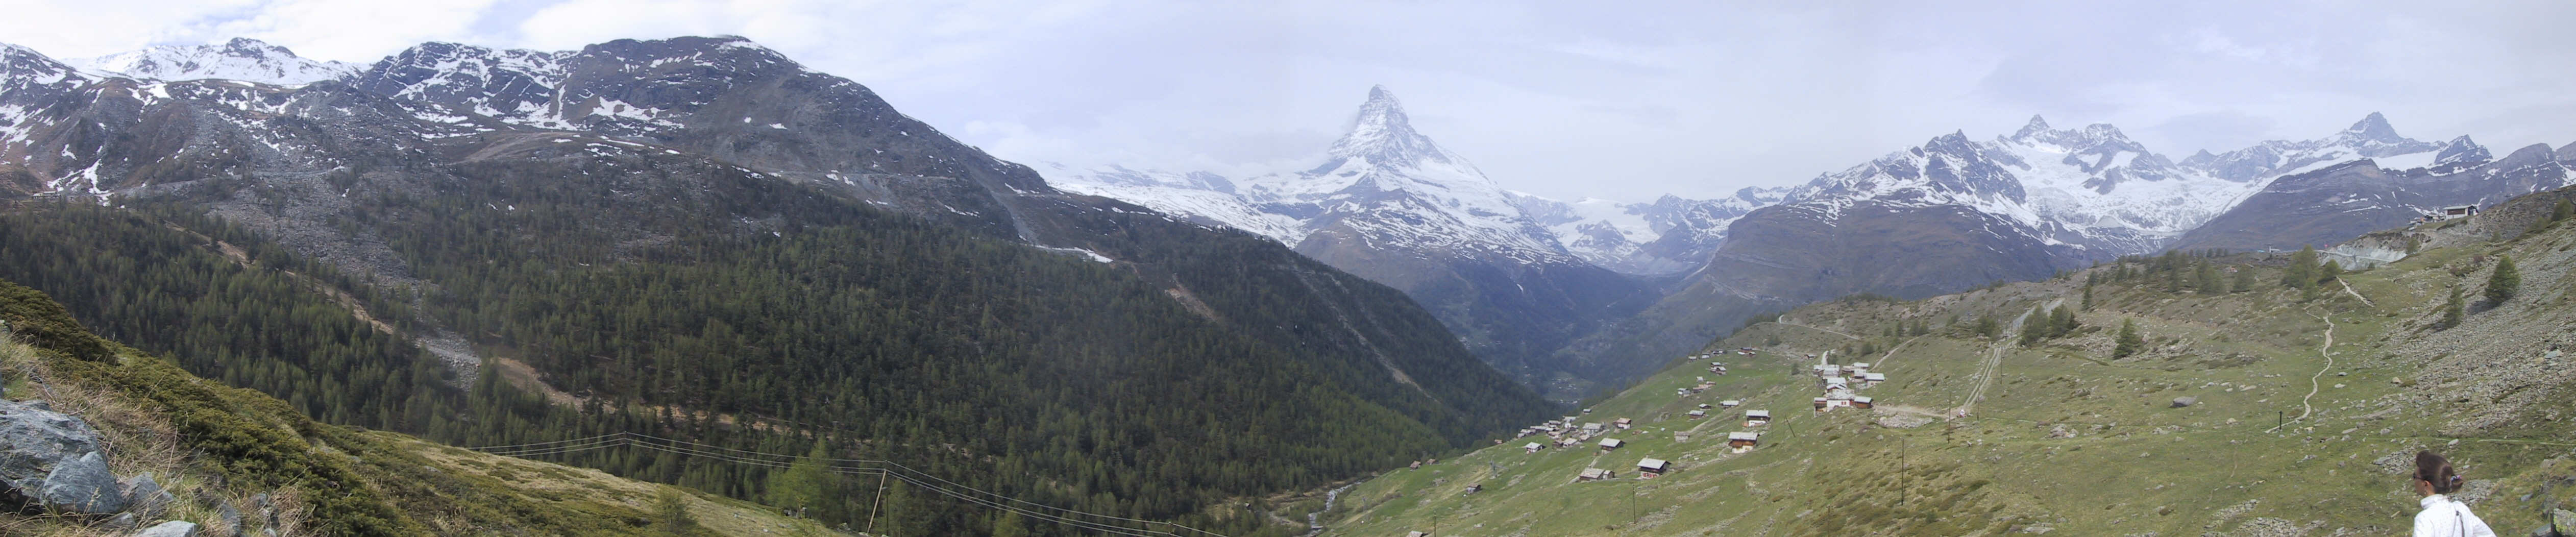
[(1617, 99)]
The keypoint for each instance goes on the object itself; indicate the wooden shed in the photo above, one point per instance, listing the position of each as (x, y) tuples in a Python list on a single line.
[(1697, 414), (1611, 443), (1757, 418), (1591, 474), (1743, 439), (1651, 467), (1860, 402)]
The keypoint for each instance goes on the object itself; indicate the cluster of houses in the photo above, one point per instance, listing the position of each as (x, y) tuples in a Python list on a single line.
[(1841, 384), (1566, 432), (1714, 366)]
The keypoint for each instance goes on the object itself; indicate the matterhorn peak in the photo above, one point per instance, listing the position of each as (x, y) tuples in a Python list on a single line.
[(1382, 135)]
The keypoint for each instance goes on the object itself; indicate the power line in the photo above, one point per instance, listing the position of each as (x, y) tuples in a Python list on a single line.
[(1098, 522)]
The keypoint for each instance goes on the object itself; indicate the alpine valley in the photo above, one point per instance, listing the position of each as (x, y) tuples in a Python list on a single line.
[(689, 286)]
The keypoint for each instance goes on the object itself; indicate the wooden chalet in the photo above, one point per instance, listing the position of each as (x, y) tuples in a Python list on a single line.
[(1743, 439), (1651, 467)]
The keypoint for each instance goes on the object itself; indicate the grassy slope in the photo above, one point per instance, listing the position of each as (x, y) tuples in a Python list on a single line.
[(2067, 439), (211, 443)]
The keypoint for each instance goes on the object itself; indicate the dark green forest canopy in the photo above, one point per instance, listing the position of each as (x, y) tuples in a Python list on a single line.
[(1040, 374)]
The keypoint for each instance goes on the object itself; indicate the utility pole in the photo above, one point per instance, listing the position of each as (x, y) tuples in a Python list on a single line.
[(1901, 470), (872, 504)]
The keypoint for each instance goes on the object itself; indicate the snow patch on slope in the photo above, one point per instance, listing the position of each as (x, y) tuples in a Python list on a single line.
[(242, 59)]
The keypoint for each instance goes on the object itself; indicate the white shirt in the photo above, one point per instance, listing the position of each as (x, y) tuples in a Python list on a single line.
[(2442, 517)]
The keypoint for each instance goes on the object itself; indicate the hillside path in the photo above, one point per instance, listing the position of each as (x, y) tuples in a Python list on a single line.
[(2347, 289), (1985, 378), (1883, 359), (2314, 381)]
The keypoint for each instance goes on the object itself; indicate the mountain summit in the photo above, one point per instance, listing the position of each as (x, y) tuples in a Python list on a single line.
[(1390, 205), (242, 58), (1384, 136)]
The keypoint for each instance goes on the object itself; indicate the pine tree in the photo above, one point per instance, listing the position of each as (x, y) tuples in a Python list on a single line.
[(671, 515), (2328, 272), (2034, 328), (2302, 272), (1010, 525), (2563, 211), (2452, 311), (2502, 284), (806, 483), (2128, 342), (2206, 278), (2244, 279), (2088, 294), (1986, 327)]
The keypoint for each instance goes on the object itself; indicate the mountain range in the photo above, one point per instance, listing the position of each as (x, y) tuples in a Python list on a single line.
[(1948, 215), (703, 230)]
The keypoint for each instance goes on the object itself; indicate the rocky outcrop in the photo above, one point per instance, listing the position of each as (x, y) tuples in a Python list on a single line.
[(53, 460), (34, 440), (82, 485)]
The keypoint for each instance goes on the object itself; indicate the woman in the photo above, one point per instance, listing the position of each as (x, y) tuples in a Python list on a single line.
[(2442, 517)]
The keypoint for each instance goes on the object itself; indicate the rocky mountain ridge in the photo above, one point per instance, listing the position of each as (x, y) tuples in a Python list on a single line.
[(418, 174)]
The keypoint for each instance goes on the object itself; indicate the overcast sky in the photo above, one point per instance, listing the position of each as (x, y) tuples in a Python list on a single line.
[(1621, 100)]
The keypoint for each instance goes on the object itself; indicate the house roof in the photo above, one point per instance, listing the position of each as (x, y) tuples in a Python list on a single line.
[(1743, 436), (1532, 445), (1757, 414), (1653, 463), (1612, 442)]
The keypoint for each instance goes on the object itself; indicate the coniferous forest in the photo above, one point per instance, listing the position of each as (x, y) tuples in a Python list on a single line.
[(841, 332)]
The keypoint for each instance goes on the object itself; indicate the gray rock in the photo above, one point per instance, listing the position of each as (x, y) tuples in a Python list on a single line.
[(83, 485), (174, 528), (2184, 401), (231, 518), (34, 439), (122, 521), (147, 496)]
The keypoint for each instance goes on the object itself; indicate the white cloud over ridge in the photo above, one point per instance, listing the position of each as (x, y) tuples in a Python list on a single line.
[(1624, 99)]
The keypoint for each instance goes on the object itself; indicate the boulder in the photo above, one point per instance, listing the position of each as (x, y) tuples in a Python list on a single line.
[(83, 485), (122, 521), (146, 495), (174, 528), (2184, 401), (34, 439)]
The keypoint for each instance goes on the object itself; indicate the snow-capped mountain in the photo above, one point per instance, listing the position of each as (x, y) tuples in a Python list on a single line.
[(1382, 180), (1394, 184), (244, 59), (2336, 202), (1669, 236), (1955, 213), (2371, 137), (1387, 203)]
